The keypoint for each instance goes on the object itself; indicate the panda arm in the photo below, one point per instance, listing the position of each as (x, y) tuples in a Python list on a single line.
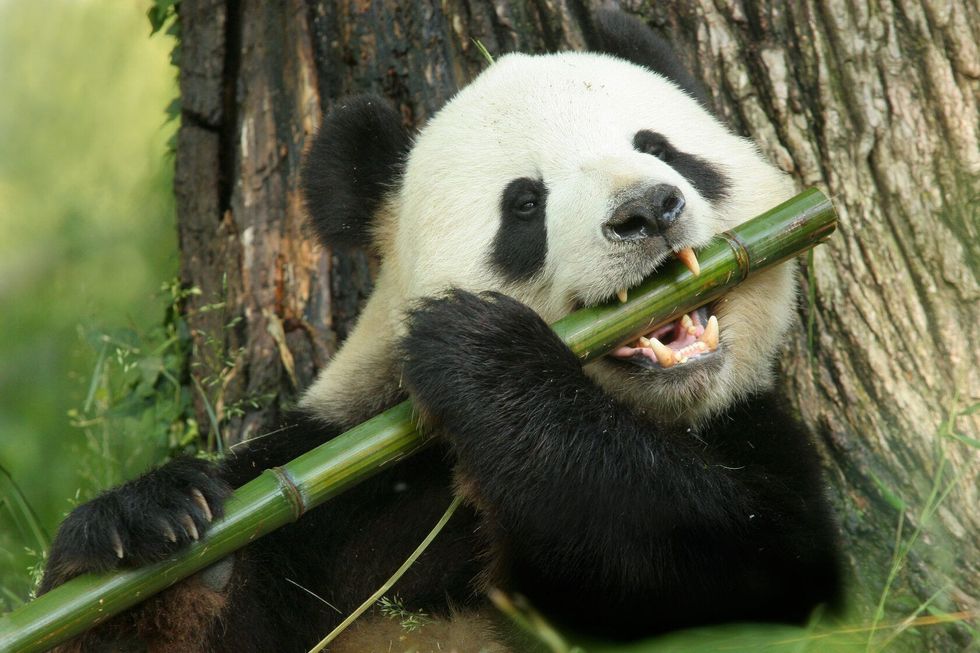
[(299, 432), (586, 498)]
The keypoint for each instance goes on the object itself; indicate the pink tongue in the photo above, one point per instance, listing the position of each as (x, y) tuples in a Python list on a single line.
[(675, 332), (678, 333)]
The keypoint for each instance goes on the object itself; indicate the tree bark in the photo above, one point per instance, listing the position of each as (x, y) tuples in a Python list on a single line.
[(876, 103)]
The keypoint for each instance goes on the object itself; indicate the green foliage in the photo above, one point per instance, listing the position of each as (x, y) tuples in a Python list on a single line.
[(86, 234), (162, 13), (165, 14), (393, 608), (483, 51), (137, 410)]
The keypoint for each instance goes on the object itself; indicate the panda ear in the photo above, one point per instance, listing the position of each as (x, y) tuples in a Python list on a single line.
[(627, 37), (354, 161)]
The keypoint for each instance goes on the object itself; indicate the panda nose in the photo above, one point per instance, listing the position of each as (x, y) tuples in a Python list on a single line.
[(646, 216)]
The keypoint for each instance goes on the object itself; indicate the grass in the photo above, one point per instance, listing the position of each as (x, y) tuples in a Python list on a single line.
[(939, 490), (87, 232)]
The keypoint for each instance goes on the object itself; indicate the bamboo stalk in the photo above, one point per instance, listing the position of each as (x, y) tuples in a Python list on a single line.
[(279, 496)]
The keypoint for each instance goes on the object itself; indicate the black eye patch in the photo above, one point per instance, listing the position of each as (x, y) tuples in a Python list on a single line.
[(521, 243), (705, 177)]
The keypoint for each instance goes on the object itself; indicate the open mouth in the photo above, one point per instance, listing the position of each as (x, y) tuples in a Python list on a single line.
[(693, 335)]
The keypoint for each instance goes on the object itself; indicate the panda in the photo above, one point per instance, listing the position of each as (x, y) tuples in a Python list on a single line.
[(662, 487)]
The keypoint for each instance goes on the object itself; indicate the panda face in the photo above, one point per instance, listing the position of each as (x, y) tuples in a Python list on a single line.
[(563, 180), (556, 178)]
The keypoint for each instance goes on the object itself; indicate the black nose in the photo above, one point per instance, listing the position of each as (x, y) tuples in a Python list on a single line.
[(645, 216)]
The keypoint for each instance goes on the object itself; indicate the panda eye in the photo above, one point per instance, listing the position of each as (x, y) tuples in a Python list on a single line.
[(524, 199), (528, 206), (658, 152), (654, 144)]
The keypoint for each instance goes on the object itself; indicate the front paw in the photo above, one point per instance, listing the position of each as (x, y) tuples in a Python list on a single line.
[(138, 523), (463, 350)]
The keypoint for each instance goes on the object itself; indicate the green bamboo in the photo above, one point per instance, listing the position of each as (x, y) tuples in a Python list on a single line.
[(279, 496)]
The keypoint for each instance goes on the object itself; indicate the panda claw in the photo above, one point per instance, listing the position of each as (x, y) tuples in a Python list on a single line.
[(189, 526), (117, 544), (202, 503), (168, 532), (665, 355)]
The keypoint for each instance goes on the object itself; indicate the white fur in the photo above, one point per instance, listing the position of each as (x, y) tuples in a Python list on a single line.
[(568, 119)]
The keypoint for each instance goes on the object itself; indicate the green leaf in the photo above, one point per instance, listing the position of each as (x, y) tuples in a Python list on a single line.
[(965, 440), (20, 509), (890, 496)]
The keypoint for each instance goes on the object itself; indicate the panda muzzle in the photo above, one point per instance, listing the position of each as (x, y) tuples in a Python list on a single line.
[(648, 215)]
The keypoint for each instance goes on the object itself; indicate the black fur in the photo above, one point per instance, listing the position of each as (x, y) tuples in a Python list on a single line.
[(354, 160), (610, 522), (521, 243), (138, 517), (342, 550), (709, 181), (626, 37)]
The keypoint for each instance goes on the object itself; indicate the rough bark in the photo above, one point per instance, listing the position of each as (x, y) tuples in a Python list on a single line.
[(876, 103)]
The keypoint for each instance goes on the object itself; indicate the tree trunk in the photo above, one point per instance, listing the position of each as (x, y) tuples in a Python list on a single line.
[(876, 104)]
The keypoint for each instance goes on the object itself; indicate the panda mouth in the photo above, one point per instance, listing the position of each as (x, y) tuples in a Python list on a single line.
[(692, 336)]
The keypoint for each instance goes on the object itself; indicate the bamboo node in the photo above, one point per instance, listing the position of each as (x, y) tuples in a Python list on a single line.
[(743, 258), (289, 491)]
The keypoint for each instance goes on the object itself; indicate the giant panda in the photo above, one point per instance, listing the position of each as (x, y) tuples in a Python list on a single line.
[(662, 487)]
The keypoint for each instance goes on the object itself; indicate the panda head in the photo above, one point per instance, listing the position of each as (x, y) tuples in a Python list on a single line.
[(561, 180)]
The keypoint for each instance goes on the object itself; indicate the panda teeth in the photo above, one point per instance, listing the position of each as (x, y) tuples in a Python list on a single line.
[(690, 260), (688, 325), (622, 295), (665, 355), (710, 335)]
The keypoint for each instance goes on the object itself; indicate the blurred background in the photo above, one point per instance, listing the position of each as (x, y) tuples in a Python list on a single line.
[(87, 252)]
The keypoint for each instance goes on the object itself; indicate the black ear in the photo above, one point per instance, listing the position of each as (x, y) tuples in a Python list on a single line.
[(353, 162), (627, 37)]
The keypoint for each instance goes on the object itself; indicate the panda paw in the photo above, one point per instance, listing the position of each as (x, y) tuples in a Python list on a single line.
[(465, 351), (139, 522)]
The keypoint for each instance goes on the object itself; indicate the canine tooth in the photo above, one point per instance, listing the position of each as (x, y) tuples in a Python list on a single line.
[(622, 295), (664, 354), (710, 335), (689, 260), (645, 342)]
